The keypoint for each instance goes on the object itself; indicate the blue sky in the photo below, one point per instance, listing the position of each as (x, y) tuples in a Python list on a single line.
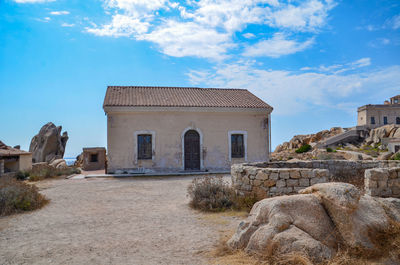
[(314, 61)]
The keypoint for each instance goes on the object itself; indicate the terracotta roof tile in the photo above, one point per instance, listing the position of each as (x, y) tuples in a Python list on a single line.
[(140, 96)]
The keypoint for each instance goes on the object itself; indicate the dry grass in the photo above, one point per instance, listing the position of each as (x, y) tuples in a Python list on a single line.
[(17, 196), (51, 172), (213, 194), (387, 244)]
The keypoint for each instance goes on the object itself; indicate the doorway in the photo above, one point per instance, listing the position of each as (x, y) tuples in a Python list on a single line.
[(192, 150)]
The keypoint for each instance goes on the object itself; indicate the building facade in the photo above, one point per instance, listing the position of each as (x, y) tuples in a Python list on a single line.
[(93, 158), (13, 160), (165, 129), (373, 116)]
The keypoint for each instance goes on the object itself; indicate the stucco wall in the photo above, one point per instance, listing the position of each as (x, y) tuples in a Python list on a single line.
[(168, 128), (101, 158), (25, 162)]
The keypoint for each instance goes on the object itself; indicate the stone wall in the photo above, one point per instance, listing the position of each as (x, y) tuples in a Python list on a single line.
[(383, 182), (339, 170), (1, 167), (277, 178), (268, 182)]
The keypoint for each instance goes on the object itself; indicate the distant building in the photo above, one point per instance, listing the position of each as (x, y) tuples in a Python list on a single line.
[(13, 160), (378, 115), (94, 158), (170, 129)]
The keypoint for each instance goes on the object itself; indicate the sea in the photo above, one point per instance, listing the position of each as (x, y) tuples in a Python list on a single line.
[(70, 160)]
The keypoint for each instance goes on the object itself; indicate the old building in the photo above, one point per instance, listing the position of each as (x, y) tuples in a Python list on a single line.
[(94, 158), (171, 129), (13, 160), (378, 115)]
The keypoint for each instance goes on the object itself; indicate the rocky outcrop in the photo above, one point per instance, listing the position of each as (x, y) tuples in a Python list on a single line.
[(48, 144), (376, 135), (59, 163), (311, 139), (316, 222)]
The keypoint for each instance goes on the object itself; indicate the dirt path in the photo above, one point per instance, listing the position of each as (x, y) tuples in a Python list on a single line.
[(111, 221)]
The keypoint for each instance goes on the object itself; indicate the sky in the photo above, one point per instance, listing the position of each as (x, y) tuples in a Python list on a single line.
[(314, 61)]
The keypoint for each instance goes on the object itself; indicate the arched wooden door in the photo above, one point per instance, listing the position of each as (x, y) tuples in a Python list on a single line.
[(192, 150)]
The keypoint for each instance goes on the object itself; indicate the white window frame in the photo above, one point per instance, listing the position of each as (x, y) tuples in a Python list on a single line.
[(201, 146), (244, 142), (153, 144)]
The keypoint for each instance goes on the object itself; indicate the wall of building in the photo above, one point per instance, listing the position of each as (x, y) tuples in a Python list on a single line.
[(25, 162), (383, 182), (378, 112), (168, 128), (101, 158)]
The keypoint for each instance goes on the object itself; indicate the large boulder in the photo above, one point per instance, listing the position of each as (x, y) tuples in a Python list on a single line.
[(48, 144), (285, 224), (358, 218), (316, 222)]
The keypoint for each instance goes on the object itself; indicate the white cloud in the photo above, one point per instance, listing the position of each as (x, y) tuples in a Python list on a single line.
[(67, 25), (217, 20), (395, 21), (340, 68), (189, 39), (278, 46), (249, 35), (290, 91), (32, 1), (58, 13), (121, 25)]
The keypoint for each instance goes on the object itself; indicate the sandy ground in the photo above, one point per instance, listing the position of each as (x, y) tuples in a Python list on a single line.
[(113, 221)]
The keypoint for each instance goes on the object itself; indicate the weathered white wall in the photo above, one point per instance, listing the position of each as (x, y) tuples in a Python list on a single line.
[(168, 128), (25, 162)]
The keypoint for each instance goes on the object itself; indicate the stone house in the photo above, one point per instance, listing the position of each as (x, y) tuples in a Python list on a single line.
[(93, 158), (13, 160), (377, 115), (173, 129)]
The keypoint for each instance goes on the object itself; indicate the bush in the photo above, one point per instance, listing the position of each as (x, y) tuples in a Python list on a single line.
[(216, 195), (17, 196), (330, 150), (303, 149), (51, 172), (22, 175), (396, 156)]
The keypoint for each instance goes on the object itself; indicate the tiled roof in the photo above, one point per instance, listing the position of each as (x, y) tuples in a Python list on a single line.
[(140, 96), (6, 150)]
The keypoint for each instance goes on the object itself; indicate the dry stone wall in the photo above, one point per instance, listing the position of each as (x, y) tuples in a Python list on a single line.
[(383, 182), (269, 182), (278, 178)]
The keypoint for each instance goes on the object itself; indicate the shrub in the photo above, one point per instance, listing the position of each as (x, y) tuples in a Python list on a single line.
[(22, 175), (17, 196), (303, 149), (51, 172), (330, 150), (213, 194), (396, 156)]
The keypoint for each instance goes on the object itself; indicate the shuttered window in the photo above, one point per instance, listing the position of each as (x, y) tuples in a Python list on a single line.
[(144, 146), (237, 145)]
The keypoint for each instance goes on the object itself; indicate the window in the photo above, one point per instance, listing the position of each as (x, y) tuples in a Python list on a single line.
[(144, 146), (397, 120), (372, 120), (237, 145), (94, 158), (385, 120)]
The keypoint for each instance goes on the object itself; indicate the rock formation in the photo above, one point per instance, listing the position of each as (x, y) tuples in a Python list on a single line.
[(48, 144), (311, 139), (316, 222)]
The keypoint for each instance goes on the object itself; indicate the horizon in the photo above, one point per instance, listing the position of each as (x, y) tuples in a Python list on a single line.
[(315, 62)]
